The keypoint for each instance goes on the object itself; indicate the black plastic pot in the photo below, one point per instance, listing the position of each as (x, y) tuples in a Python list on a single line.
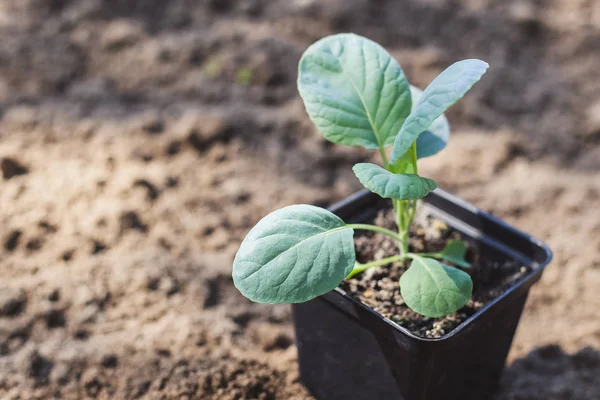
[(348, 351)]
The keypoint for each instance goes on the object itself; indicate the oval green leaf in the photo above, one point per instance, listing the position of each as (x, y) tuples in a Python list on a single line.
[(293, 255), (445, 90), (435, 138), (455, 251), (354, 91), (393, 186), (434, 289)]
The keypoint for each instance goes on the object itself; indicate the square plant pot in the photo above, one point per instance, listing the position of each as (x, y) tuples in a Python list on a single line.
[(348, 351)]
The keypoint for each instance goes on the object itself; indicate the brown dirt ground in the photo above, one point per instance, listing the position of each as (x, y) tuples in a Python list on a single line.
[(141, 139)]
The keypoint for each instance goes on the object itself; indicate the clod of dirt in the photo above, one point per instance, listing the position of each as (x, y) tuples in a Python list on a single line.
[(163, 353), (110, 361), (39, 368), (171, 286), (153, 284), (91, 382), (173, 148), (98, 247), (151, 191), (240, 380), (218, 290), (142, 155), (67, 255), (525, 15), (11, 167), (12, 302), (34, 244), (81, 334), (592, 121), (280, 342), (242, 318), (55, 319), (15, 340), (54, 296), (221, 6), (130, 220), (152, 123), (24, 118), (121, 34), (47, 227), (92, 89), (171, 182), (213, 289), (206, 131), (12, 240), (243, 197)]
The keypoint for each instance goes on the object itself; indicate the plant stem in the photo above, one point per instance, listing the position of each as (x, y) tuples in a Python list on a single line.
[(407, 208), (374, 228), (384, 159), (359, 268), (432, 255)]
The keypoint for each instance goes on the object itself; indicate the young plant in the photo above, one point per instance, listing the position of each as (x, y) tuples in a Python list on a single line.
[(357, 95)]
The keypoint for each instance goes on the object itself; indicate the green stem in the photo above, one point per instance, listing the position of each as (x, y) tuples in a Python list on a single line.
[(432, 255), (374, 228), (413, 150), (360, 268), (384, 159)]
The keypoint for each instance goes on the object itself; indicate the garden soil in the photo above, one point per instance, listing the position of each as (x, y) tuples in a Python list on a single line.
[(141, 139)]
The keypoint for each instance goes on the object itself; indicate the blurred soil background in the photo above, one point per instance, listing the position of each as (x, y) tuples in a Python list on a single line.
[(141, 139)]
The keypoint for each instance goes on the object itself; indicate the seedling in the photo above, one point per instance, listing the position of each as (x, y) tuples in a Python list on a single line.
[(357, 95)]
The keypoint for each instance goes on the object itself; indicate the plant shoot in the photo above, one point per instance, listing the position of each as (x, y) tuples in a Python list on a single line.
[(356, 94)]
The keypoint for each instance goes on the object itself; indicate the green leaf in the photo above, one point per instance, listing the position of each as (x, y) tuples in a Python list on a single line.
[(393, 186), (455, 252), (444, 91), (435, 138), (354, 91), (293, 255), (434, 289)]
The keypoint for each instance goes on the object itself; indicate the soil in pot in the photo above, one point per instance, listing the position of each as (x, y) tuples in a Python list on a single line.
[(379, 288)]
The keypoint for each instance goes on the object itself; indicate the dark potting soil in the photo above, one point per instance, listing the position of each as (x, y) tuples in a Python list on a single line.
[(379, 288)]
